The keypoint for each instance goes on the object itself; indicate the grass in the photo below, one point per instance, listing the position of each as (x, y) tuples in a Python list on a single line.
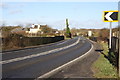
[(102, 67), (67, 38)]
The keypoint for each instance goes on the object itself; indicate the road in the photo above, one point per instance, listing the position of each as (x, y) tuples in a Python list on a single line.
[(83, 68), (35, 62)]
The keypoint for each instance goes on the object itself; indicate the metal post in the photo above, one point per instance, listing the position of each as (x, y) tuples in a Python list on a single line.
[(119, 39), (119, 47), (110, 35)]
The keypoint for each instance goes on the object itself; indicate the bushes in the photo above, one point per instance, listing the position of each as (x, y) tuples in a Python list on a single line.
[(113, 58), (98, 39), (14, 41)]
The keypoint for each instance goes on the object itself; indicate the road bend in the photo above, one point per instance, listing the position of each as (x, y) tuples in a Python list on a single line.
[(34, 62)]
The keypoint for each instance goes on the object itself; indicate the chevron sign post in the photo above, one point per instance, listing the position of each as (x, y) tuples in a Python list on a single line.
[(110, 16)]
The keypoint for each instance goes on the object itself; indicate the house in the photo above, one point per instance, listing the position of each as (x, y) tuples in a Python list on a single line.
[(34, 29), (37, 30), (19, 30)]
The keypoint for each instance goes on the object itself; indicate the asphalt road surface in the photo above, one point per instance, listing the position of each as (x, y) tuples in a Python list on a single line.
[(35, 62), (83, 68)]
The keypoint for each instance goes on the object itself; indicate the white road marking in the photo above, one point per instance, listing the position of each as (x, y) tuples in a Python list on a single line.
[(52, 72), (62, 43), (36, 55), (13, 51)]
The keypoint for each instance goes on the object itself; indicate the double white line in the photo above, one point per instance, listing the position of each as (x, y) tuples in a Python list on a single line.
[(36, 55)]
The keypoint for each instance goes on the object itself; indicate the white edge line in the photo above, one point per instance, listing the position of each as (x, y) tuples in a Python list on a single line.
[(50, 73)]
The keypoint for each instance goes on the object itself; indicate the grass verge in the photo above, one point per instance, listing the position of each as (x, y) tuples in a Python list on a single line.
[(102, 67)]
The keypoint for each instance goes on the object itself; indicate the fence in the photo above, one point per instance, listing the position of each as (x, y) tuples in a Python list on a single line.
[(114, 44), (113, 52), (31, 41)]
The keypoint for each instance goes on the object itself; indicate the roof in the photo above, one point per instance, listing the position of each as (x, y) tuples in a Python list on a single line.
[(19, 30)]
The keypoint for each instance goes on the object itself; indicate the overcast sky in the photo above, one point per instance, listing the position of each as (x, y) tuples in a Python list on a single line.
[(79, 14)]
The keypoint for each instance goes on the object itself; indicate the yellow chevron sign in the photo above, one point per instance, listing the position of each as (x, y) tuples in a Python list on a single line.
[(110, 16)]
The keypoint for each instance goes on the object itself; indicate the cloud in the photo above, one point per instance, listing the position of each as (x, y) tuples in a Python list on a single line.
[(13, 8), (9, 6), (15, 11), (4, 6)]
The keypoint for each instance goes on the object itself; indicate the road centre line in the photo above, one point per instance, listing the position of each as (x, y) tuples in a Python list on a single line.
[(62, 43), (36, 55), (52, 72)]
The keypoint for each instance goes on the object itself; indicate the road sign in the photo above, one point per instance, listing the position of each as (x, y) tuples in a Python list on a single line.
[(110, 16)]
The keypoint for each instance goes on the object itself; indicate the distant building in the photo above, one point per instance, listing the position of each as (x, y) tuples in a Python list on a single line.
[(37, 28), (89, 33), (19, 30), (34, 29), (55, 31)]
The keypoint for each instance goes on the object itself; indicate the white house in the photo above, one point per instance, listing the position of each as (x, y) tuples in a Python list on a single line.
[(35, 29)]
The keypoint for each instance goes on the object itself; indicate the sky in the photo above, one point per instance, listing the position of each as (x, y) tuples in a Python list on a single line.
[(80, 14)]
